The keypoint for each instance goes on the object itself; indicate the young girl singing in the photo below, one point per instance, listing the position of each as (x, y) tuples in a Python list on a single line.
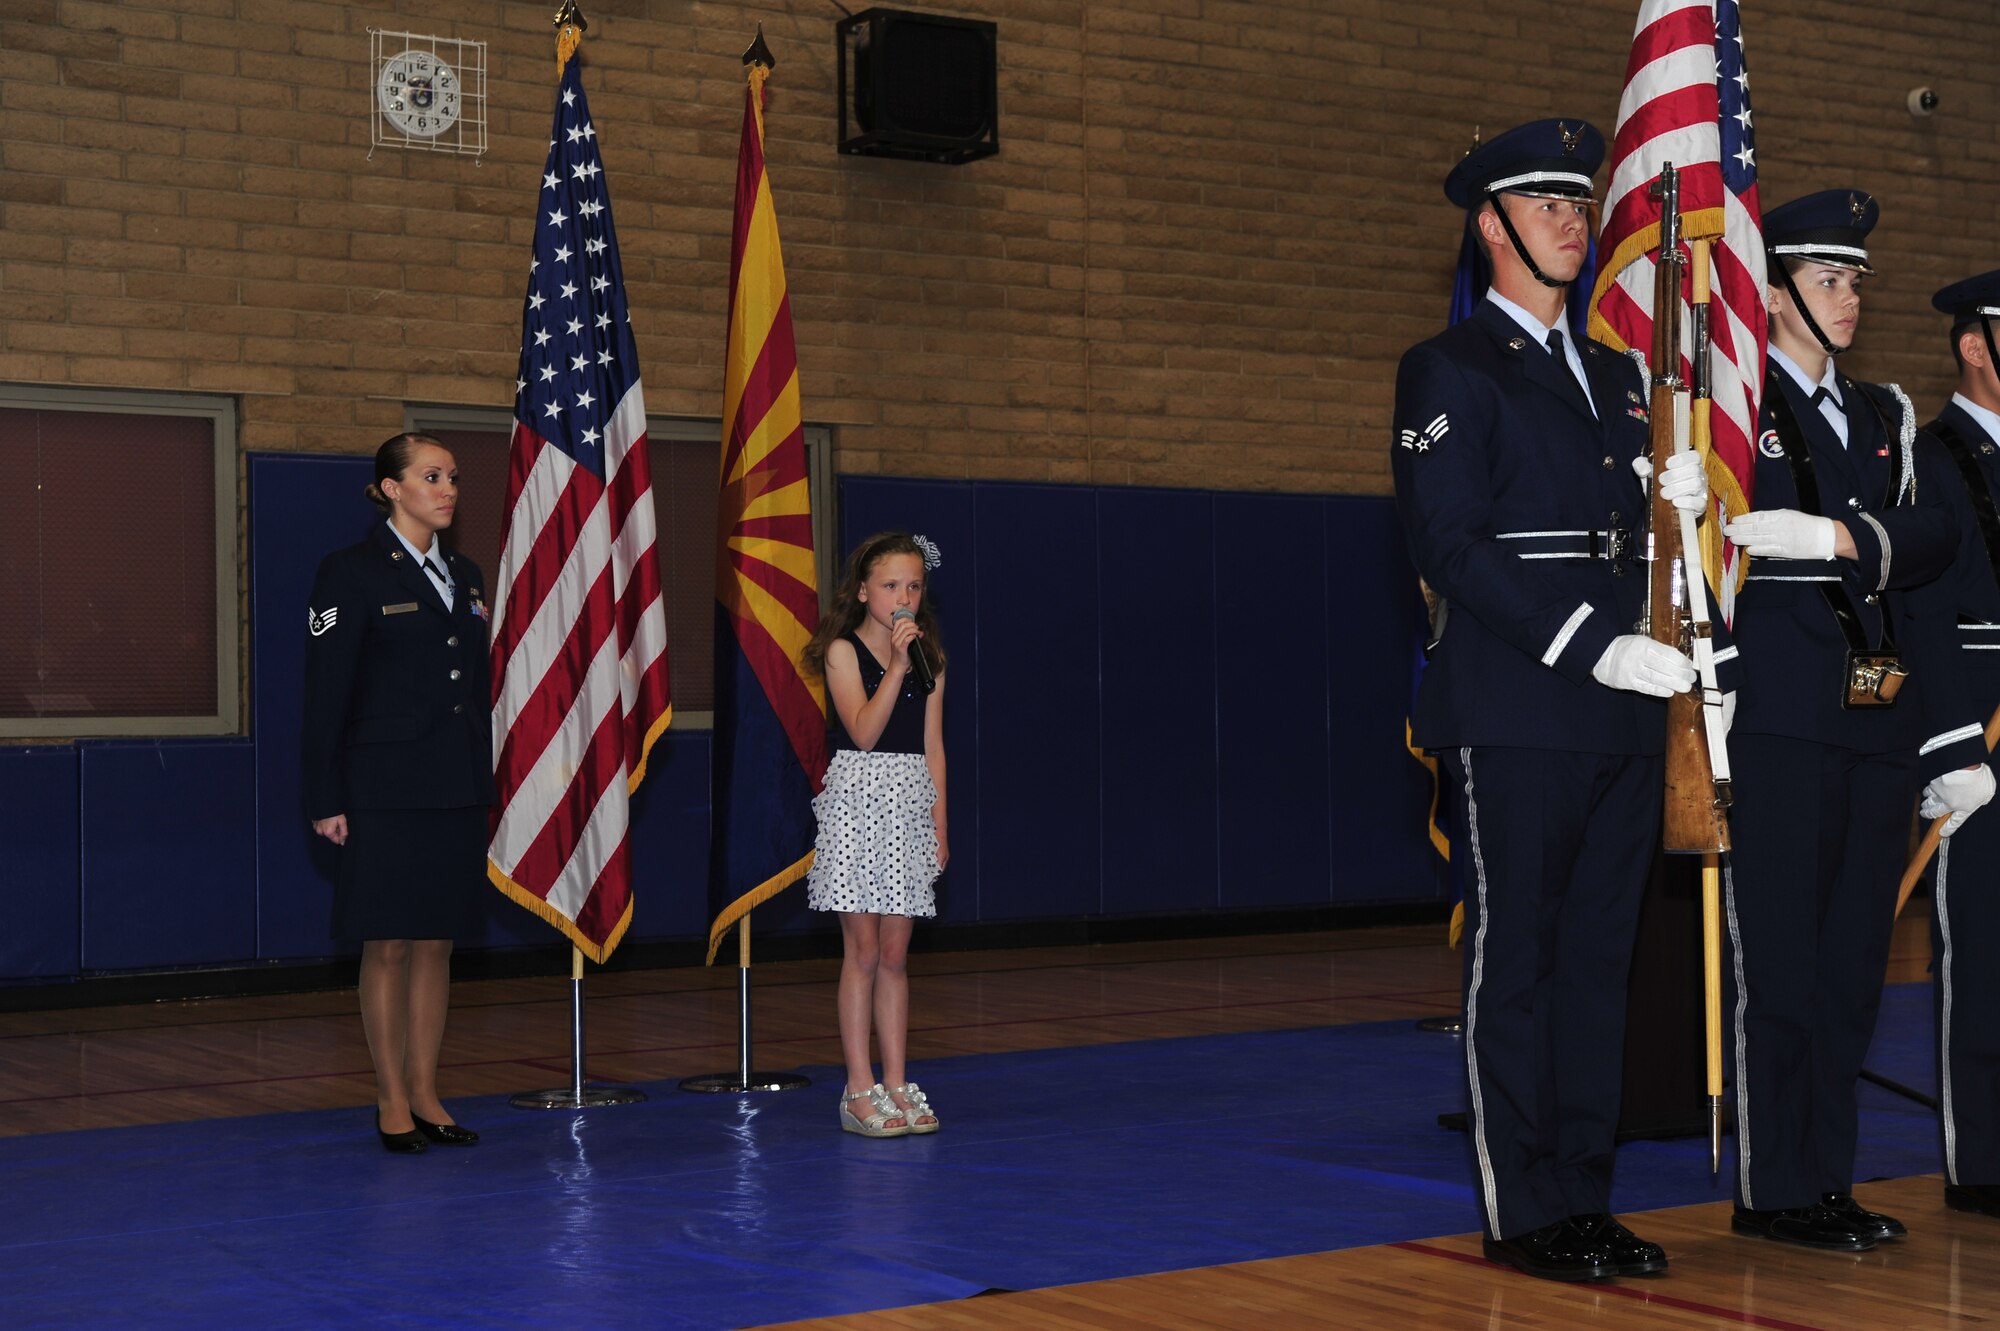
[(881, 814)]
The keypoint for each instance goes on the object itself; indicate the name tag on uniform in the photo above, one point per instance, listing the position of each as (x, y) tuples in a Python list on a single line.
[(402, 609)]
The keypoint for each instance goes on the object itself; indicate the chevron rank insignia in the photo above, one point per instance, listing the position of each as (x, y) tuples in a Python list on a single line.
[(1421, 440), (319, 621)]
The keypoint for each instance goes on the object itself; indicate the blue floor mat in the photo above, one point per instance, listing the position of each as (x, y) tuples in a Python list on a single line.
[(693, 1211)]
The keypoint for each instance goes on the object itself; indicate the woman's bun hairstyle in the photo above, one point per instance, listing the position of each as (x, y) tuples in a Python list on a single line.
[(392, 459)]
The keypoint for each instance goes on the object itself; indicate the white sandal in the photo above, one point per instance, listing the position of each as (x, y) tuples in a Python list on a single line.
[(875, 1124), (916, 1106)]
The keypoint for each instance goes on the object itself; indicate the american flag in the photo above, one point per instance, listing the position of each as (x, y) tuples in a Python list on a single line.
[(1687, 101), (579, 632)]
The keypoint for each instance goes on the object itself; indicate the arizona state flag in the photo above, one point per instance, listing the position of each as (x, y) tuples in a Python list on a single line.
[(770, 716)]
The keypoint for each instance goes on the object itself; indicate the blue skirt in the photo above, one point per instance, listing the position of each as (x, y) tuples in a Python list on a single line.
[(409, 873)]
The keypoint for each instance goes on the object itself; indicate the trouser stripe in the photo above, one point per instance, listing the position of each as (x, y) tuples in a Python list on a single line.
[(1489, 1191)]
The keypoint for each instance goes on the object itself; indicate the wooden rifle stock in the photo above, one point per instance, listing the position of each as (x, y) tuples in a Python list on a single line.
[(1695, 799)]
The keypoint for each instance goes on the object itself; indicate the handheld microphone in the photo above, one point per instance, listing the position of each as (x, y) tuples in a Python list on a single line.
[(920, 661)]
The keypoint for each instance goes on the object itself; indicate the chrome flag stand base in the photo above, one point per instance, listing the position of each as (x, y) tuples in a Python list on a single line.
[(576, 1095), (743, 1079)]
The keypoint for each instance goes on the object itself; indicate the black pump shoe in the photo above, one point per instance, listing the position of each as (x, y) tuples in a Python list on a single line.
[(401, 1143), (445, 1134)]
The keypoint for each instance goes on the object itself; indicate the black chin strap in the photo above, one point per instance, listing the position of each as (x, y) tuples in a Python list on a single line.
[(1799, 304), (1521, 249)]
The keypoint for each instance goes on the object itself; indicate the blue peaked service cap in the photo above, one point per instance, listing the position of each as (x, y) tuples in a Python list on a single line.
[(1829, 228), (1548, 158), (1971, 299)]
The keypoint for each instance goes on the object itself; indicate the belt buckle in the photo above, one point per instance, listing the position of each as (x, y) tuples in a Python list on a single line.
[(1614, 544)]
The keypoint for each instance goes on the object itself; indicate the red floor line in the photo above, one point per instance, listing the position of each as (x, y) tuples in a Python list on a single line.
[(1635, 1292), (533, 1059)]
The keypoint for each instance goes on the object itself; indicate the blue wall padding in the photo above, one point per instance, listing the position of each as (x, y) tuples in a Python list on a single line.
[(40, 878), (1160, 701), (1381, 795), (1213, 718), (1040, 807), (167, 843), (1163, 622), (1273, 704)]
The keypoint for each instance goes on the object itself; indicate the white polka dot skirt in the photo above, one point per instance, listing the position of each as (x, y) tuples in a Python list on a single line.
[(877, 848)]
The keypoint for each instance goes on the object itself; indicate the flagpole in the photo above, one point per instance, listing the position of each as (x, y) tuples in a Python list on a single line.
[(743, 1079), (577, 1095)]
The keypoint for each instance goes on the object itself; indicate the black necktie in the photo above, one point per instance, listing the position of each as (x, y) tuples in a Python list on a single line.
[(1822, 396), (1556, 352), (443, 582)]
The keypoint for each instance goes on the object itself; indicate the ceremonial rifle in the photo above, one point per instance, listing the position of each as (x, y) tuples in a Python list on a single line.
[(1697, 785)]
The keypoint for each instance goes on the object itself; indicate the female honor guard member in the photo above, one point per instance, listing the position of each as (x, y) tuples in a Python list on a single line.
[(1513, 459), (1965, 921), (397, 754), (1851, 514)]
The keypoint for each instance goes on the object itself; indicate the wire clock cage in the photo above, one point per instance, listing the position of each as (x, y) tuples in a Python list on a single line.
[(426, 93)]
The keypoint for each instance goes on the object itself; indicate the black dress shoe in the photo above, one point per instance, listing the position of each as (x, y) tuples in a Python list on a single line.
[(1632, 1255), (400, 1143), (1868, 1222), (445, 1134), (1805, 1227), (1979, 1198), (1554, 1252)]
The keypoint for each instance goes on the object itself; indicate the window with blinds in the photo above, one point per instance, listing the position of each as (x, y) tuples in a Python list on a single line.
[(118, 608)]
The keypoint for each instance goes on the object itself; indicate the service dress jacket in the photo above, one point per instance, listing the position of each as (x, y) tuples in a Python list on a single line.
[(1496, 458), (398, 702), (1960, 691), (1905, 534)]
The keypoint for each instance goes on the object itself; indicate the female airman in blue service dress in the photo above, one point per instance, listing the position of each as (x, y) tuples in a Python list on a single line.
[(1965, 919), (1850, 520), (398, 768), (1513, 456)]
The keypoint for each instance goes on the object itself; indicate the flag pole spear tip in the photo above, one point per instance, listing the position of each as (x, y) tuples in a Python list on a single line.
[(570, 24), (759, 53)]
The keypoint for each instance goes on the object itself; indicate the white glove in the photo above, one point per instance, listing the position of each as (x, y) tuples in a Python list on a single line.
[(1782, 533), (1684, 484), (1960, 794), (1637, 663), (1728, 710)]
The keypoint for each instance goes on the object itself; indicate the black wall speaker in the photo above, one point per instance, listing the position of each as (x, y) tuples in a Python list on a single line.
[(917, 86)]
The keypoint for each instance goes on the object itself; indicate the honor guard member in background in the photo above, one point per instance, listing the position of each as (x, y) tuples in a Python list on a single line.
[(1965, 923), (1850, 516), (1513, 456)]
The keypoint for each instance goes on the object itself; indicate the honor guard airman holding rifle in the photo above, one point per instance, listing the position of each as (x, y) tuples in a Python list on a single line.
[(1514, 452), (1850, 521)]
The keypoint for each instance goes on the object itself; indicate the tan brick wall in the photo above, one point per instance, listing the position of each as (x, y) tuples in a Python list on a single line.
[(1212, 228)]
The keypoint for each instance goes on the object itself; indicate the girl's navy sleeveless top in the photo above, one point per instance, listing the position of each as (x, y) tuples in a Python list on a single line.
[(905, 731)]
